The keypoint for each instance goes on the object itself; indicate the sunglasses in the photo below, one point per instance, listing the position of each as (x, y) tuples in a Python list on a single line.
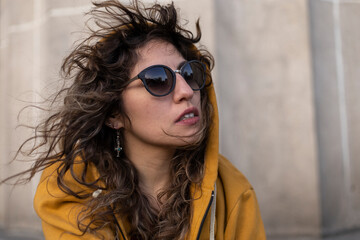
[(160, 80)]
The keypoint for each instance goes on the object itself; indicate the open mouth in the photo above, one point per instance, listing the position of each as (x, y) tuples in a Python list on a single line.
[(189, 114)]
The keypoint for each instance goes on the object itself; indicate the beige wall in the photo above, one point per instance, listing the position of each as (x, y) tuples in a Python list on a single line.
[(336, 53), (267, 110), (287, 81)]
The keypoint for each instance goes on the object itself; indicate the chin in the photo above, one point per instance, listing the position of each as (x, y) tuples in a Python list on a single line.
[(190, 141)]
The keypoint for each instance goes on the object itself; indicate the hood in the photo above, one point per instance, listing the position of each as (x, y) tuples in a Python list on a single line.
[(203, 197)]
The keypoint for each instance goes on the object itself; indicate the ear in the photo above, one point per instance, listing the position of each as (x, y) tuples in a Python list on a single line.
[(115, 121)]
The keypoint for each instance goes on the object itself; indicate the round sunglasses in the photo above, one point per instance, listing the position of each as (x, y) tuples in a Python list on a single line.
[(160, 80)]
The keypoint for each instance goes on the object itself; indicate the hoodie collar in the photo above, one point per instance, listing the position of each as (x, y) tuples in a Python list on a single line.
[(203, 197)]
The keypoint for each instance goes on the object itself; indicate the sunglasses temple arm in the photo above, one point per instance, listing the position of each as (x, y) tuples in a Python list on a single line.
[(131, 80)]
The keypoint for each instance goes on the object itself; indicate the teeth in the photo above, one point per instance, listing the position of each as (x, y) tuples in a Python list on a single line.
[(186, 116)]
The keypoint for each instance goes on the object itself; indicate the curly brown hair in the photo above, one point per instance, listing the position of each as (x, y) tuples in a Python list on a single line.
[(98, 71)]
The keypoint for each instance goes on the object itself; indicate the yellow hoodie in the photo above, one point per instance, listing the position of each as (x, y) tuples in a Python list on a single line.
[(237, 212)]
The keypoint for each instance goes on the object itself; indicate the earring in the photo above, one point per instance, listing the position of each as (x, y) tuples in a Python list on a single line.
[(118, 148)]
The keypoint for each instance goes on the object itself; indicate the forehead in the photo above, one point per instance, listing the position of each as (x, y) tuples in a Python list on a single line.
[(158, 52), (157, 47)]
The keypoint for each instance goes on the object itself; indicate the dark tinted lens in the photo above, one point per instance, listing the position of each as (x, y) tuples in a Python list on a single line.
[(193, 73), (158, 80)]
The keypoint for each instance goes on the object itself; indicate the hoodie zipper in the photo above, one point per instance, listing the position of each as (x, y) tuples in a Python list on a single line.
[(206, 212), (118, 225)]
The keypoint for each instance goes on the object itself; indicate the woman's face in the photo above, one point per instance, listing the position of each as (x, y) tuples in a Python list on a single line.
[(169, 121)]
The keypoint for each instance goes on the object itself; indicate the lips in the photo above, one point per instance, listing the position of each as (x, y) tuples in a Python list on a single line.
[(188, 115)]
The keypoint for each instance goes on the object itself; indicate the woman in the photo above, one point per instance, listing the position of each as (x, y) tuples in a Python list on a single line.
[(132, 153)]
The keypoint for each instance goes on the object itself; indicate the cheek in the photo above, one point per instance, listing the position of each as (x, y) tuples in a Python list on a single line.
[(197, 101), (144, 112)]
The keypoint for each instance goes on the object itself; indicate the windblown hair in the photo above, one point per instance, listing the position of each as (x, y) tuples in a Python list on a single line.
[(98, 69)]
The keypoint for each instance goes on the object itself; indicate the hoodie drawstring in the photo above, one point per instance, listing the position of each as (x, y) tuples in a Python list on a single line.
[(212, 219)]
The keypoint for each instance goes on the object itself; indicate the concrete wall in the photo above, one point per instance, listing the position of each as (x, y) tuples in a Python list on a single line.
[(266, 108), (17, 75), (34, 37), (287, 81), (336, 53)]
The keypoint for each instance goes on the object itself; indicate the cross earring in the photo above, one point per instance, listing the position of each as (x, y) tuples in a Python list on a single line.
[(118, 148)]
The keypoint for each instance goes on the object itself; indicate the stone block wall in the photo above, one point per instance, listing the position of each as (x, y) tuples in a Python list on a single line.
[(287, 81)]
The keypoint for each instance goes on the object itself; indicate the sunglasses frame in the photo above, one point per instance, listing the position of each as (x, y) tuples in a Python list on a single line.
[(173, 73)]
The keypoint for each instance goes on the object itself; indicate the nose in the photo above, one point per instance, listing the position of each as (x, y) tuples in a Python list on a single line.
[(182, 90)]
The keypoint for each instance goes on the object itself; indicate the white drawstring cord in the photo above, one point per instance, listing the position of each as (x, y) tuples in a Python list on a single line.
[(212, 219)]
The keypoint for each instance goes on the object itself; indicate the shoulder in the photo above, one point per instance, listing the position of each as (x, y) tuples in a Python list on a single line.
[(237, 210), (60, 211), (232, 185), (232, 179)]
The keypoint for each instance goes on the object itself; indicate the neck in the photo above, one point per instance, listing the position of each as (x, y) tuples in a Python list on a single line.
[(153, 166)]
